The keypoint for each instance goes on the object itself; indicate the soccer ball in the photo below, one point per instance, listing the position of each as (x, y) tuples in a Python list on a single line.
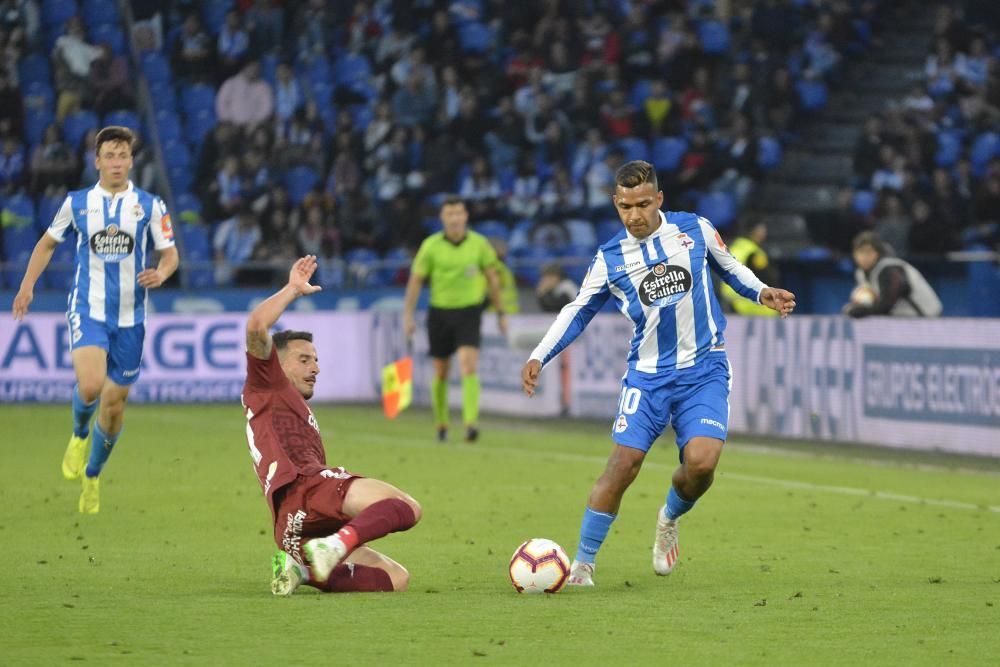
[(539, 566)]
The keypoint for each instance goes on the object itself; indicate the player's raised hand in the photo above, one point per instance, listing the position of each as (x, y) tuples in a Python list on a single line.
[(780, 300), (301, 272), (150, 278), (529, 376), (21, 303)]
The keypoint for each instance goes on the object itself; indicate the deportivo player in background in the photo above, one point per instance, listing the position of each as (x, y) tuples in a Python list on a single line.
[(656, 270), (107, 305), (323, 516)]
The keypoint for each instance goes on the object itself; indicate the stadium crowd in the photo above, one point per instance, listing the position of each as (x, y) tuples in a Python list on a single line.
[(333, 128)]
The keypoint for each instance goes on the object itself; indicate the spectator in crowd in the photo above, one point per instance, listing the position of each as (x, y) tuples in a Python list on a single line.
[(887, 285), (749, 251), (12, 167), (288, 97), (245, 99), (72, 57), (193, 50), (11, 107), (53, 163), (554, 289), (109, 85), (232, 45), (235, 241)]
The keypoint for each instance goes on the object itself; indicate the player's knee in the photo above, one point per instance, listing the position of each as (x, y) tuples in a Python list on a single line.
[(113, 408), (90, 389), (701, 466)]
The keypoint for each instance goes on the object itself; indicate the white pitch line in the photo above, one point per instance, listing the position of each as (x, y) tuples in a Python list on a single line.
[(756, 479)]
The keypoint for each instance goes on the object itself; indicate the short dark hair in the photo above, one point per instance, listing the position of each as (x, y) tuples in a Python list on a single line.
[(452, 200), (870, 240), (115, 134), (281, 338), (635, 173)]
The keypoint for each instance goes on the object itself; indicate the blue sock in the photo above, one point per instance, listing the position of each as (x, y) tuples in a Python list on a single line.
[(593, 530), (676, 505), (82, 412), (100, 449)]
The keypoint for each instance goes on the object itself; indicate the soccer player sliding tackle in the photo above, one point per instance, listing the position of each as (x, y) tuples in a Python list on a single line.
[(323, 516), (656, 269)]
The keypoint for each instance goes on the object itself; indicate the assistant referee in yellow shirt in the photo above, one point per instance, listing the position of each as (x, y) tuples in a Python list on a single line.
[(454, 259)]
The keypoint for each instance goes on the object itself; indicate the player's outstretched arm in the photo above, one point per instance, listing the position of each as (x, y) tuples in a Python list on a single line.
[(40, 258), (263, 317), (778, 299)]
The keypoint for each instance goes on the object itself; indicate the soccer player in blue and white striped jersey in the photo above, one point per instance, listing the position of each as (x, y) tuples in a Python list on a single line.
[(656, 270), (112, 222)]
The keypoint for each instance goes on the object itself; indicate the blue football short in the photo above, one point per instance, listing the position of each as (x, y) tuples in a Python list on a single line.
[(695, 400), (123, 345)]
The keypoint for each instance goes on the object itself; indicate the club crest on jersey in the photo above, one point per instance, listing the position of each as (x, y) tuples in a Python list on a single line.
[(664, 285), (138, 212), (112, 244), (686, 241), (621, 424)]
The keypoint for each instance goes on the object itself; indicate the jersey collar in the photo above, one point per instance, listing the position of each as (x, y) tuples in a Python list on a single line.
[(107, 195)]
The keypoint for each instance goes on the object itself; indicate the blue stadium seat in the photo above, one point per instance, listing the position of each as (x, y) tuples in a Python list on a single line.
[(527, 262), (176, 154), (96, 12), (813, 95), (363, 114), (197, 255), (640, 91), (155, 67), (59, 274), (76, 125), (321, 92), (168, 126), (475, 37), (123, 117), (300, 181), (397, 266), (351, 67), (985, 147), (17, 217), (718, 207), (668, 153), (520, 236), (34, 67), (52, 35), (38, 95), (163, 95), (180, 176), (57, 11), (361, 266), (581, 233), (46, 211), (714, 37), (815, 254), (213, 14), (197, 97), (187, 209), (493, 229), (949, 149), (199, 125), (634, 148), (315, 69), (36, 123), (269, 67), (607, 230), (864, 201), (108, 33), (768, 153)]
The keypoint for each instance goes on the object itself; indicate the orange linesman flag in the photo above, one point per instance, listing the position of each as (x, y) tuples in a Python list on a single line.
[(397, 386)]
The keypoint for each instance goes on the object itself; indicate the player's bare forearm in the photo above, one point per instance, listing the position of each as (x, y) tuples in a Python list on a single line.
[(493, 282), (40, 258), (169, 261), (263, 317)]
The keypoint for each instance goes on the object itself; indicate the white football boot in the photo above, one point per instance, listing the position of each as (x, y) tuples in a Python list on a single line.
[(665, 546), (324, 554), (581, 574)]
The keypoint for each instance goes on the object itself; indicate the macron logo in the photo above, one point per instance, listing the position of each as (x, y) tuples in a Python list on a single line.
[(712, 422), (626, 267)]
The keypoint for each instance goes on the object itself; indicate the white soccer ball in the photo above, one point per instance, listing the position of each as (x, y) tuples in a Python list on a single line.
[(539, 566)]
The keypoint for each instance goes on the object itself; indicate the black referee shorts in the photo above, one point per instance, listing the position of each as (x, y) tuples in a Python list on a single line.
[(450, 328)]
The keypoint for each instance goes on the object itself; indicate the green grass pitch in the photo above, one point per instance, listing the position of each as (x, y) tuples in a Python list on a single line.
[(800, 554)]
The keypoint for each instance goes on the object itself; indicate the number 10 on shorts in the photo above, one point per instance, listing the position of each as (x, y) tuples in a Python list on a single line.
[(628, 402)]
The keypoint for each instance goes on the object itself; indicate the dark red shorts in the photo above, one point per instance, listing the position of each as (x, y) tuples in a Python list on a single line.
[(311, 506)]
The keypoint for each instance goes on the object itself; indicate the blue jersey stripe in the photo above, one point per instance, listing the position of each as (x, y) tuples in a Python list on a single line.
[(78, 301), (632, 305), (112, 270), (699, 274), (147, 201)]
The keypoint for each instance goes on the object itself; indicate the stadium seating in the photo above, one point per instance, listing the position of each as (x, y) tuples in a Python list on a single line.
[(718, 207), (76, 125), (668, 153)]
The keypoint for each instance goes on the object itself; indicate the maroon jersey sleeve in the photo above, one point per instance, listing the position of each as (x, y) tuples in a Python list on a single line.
[(265, 373)]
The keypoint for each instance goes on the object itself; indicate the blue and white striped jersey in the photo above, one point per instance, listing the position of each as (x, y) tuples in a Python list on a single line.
[(662, 284), (111, 234)]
